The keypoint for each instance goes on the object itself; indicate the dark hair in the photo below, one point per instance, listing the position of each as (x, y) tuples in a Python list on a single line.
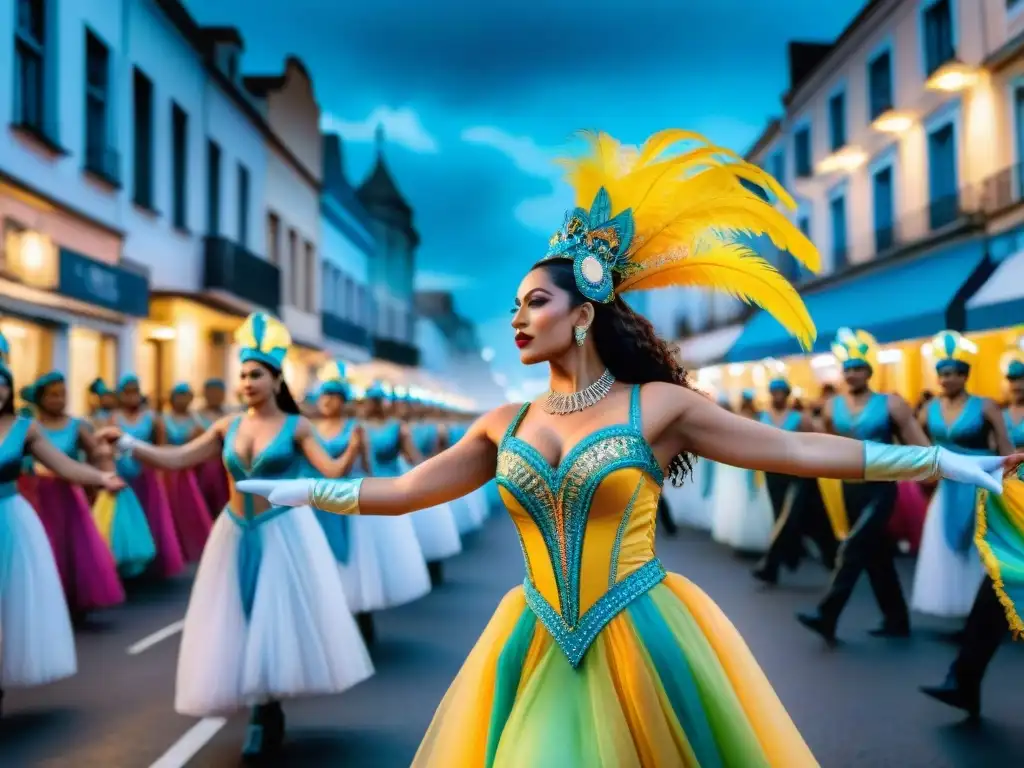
[(284, 398), (628, 345), (7, 409)]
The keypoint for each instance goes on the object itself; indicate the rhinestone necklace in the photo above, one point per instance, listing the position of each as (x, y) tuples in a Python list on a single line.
[(559, 404)]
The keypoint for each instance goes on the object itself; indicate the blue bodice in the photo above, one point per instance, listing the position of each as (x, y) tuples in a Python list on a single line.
[(12, 451), (967, 434), (179, 430), (1016, 431), (424, 435), (64, 439), (338, 444), (791, 423), (586, 526), (385, 448), (871, 423), (456, 432), (141, 429)]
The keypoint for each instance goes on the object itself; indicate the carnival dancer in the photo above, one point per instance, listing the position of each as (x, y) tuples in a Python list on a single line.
[(469, 516), (212, 479), (864, 414), (120, 520), (102, 401), (143, 424), (948, 569), (595, 661), (87, 569), (1013, 414), (405, 573), (38, 644), (267, 619), (791, 497), (436, 528), (742, 512), (352, 541), (192, 518)]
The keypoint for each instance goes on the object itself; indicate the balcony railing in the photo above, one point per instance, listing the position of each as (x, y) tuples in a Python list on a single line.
[(227, 266), (396, 351), (340, 329)]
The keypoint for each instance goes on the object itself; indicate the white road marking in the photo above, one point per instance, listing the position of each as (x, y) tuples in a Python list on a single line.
[(150, 640), (185, 748)]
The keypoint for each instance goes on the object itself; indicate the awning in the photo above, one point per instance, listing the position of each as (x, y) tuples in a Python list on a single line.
[(1000, 301), (906, 300), (708, 348)]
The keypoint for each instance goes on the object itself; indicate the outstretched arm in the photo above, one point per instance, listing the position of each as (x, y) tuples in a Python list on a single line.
[(61, 464), (191, 454)]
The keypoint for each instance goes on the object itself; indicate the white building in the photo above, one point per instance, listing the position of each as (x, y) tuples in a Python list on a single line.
[(346, 245)]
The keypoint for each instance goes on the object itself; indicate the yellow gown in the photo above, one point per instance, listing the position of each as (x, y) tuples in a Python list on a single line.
[(602, 659)]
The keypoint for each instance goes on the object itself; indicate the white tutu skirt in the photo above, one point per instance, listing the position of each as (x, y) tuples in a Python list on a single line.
[(362, 576), (480, 504), (37, 644), (686, 502), (436, 531), (467, 515), (945, 582), (739, 519), (403, 568), (300, 638)]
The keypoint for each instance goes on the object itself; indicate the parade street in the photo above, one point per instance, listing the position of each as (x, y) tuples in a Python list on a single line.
[(857, 705)]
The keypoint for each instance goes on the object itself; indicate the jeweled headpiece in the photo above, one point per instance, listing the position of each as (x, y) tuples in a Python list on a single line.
[(855, 349), (263, 339), (656, 221), (950, 350)]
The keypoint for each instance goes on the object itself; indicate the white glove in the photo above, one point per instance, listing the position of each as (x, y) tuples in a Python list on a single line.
[(280, 493), (125, 444), (983, 471)]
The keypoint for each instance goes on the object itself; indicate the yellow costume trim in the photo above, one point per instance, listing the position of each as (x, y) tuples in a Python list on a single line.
[(835, 506), (991, 562)]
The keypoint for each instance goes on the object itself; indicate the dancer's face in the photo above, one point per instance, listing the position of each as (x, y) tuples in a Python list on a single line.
[(108, 401), (181, 401), (330, 406), (857, 378), (543, 319), (54, 399), (258, 384), (214, 396), (130, 397), (780, 398), (952, 381)]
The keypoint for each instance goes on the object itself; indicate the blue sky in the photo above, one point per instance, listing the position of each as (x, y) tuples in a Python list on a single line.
[(477, 97)]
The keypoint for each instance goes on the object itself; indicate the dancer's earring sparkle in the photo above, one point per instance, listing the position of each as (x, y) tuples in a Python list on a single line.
[(579, 333)]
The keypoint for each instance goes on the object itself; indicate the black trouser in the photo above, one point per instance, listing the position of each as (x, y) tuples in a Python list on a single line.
[(867, 548), (803, 514), (984, 630)]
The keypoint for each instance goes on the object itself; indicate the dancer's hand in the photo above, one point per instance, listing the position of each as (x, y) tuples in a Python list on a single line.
[(107, 434), (111, 482), (983, 471), (280, 493)]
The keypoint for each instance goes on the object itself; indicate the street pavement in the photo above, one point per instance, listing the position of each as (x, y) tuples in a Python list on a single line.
[(856, 705)]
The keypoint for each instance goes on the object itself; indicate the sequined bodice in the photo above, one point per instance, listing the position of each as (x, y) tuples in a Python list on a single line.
[(872, 422), (967, 434), (586, 526), (279, 460), (1015, 430), (64, 439), (790, 423), (179, 430), (12, 450)]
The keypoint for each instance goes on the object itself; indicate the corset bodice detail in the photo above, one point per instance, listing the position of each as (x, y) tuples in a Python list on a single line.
[(64, 439), (12, 451), (871, 423), (586, 526), (279, 460), (179, 430), (967, 434), (1016, 431), (790, 423)]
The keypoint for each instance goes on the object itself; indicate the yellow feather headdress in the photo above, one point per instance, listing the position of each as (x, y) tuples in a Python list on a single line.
[(658, 220), (951, 350), (264, 339), (855, 348)]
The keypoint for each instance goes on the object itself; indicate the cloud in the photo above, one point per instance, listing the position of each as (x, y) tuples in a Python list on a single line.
[(427, 280), (401, 126)]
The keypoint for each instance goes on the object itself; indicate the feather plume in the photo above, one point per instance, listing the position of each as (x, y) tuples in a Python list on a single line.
[(735, 270)]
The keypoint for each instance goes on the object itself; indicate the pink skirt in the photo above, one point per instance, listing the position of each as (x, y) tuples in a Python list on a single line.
[(169, 560), (188, 509), (85, 563), (213, 484), (907, 521)]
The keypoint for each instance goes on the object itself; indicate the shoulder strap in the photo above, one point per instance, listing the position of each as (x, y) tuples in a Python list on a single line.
[(635, 420), (514, 424)]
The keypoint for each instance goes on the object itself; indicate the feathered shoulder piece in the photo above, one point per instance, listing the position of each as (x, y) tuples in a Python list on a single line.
[(655, 218)]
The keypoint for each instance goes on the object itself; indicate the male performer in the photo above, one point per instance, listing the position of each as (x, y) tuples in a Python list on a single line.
[(866, 415)]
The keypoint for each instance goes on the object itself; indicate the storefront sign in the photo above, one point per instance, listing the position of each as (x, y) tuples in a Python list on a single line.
[(101, 284)]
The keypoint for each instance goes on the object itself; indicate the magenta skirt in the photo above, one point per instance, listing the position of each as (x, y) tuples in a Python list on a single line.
[(84, 561), (169, 560), (188, 509), (907, 521), (213, 484)]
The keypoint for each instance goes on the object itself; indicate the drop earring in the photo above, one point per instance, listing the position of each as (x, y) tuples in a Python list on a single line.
[(579, 333)]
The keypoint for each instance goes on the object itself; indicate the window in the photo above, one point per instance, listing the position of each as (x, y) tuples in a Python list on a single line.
[(293, 267), (779, 166), (30, 67), (99, 157), (882, 189), (944, 205), (179, 166), (212, 188), (802, 152), (837, 120), (310, 303), (938, 36), (273, 239), (837, 208), (880, 98), (803, 223), (142, 158), (243, 206)]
